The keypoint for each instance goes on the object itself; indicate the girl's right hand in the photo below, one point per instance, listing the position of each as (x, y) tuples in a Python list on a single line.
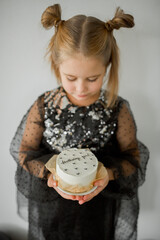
[(52, 183)]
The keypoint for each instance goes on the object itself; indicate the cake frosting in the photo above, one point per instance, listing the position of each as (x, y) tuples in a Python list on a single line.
[(77, 166)]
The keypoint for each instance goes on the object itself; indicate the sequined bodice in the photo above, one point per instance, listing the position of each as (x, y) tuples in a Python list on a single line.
[(68, 126)]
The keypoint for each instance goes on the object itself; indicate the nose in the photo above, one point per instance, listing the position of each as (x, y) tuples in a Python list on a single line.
[(81, 86)]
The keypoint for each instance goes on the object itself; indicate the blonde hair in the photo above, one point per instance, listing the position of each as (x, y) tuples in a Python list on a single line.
[(89, 36)]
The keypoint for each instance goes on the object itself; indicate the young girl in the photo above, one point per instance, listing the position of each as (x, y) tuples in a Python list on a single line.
[(81, 114)]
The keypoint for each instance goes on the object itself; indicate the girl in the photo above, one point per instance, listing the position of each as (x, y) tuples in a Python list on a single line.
[(81, 114)]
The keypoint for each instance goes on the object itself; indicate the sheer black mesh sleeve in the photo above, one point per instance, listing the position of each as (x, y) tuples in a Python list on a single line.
[(31, 154), (26, 145), (128, 158)]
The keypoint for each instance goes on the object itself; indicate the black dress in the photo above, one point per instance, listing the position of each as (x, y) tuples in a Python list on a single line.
[(53, 124)]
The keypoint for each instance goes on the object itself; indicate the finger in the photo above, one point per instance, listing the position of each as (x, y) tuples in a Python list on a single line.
[(100, 186), (81, 202), (64, 195), (99, 182), (79, 197), (51, 182), (93, 194), (88, 197)]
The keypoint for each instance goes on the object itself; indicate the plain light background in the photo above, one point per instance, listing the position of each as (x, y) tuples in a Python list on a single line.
[(25, 74)]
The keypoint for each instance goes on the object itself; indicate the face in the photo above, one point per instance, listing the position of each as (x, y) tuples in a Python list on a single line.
[(82, 78)]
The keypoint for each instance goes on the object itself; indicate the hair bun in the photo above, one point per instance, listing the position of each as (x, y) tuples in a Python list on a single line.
[(51, 16), (109, 26), (120, 19)]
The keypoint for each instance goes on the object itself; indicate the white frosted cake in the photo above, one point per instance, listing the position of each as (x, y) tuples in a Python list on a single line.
[(77, 167)]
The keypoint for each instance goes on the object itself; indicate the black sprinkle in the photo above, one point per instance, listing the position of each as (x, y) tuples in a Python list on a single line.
[(77, 173), (85, 168)]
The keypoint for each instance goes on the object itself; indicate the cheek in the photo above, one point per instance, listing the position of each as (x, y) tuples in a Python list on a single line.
[(97, 86), (68, 86)]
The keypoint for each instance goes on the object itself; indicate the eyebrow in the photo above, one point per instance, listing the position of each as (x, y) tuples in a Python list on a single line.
[(97, 75)]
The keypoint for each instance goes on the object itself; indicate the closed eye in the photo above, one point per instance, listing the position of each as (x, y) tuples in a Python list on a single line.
[(88, 79), (92, 79), (71, 78)]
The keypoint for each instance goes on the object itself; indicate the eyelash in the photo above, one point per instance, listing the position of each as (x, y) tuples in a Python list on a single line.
[(90, 80), (71, 79)]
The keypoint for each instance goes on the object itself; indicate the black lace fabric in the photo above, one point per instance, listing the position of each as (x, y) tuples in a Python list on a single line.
[(53, 124)]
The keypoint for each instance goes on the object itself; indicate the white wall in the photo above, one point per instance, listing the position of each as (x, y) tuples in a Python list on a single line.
[(24, 75)]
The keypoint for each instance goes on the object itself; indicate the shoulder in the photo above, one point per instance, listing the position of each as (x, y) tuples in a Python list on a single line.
[(122, 107), (41, 100), (53, 98), (48, 94), (119, 102), (124, 110), (122, 103)]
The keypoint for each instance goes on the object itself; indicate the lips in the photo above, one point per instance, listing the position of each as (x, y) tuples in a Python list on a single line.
[(82, 95)]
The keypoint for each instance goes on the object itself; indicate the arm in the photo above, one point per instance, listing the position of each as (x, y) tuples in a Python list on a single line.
[(31, 155), (126, 163), (127, 143), (26, 147)]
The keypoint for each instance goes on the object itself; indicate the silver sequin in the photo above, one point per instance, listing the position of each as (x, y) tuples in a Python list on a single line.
[(75, 126)]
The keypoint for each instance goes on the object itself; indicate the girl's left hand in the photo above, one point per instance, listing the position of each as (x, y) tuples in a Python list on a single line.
[(101, 184)]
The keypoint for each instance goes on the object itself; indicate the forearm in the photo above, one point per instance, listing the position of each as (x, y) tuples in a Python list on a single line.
[(34, 161)]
